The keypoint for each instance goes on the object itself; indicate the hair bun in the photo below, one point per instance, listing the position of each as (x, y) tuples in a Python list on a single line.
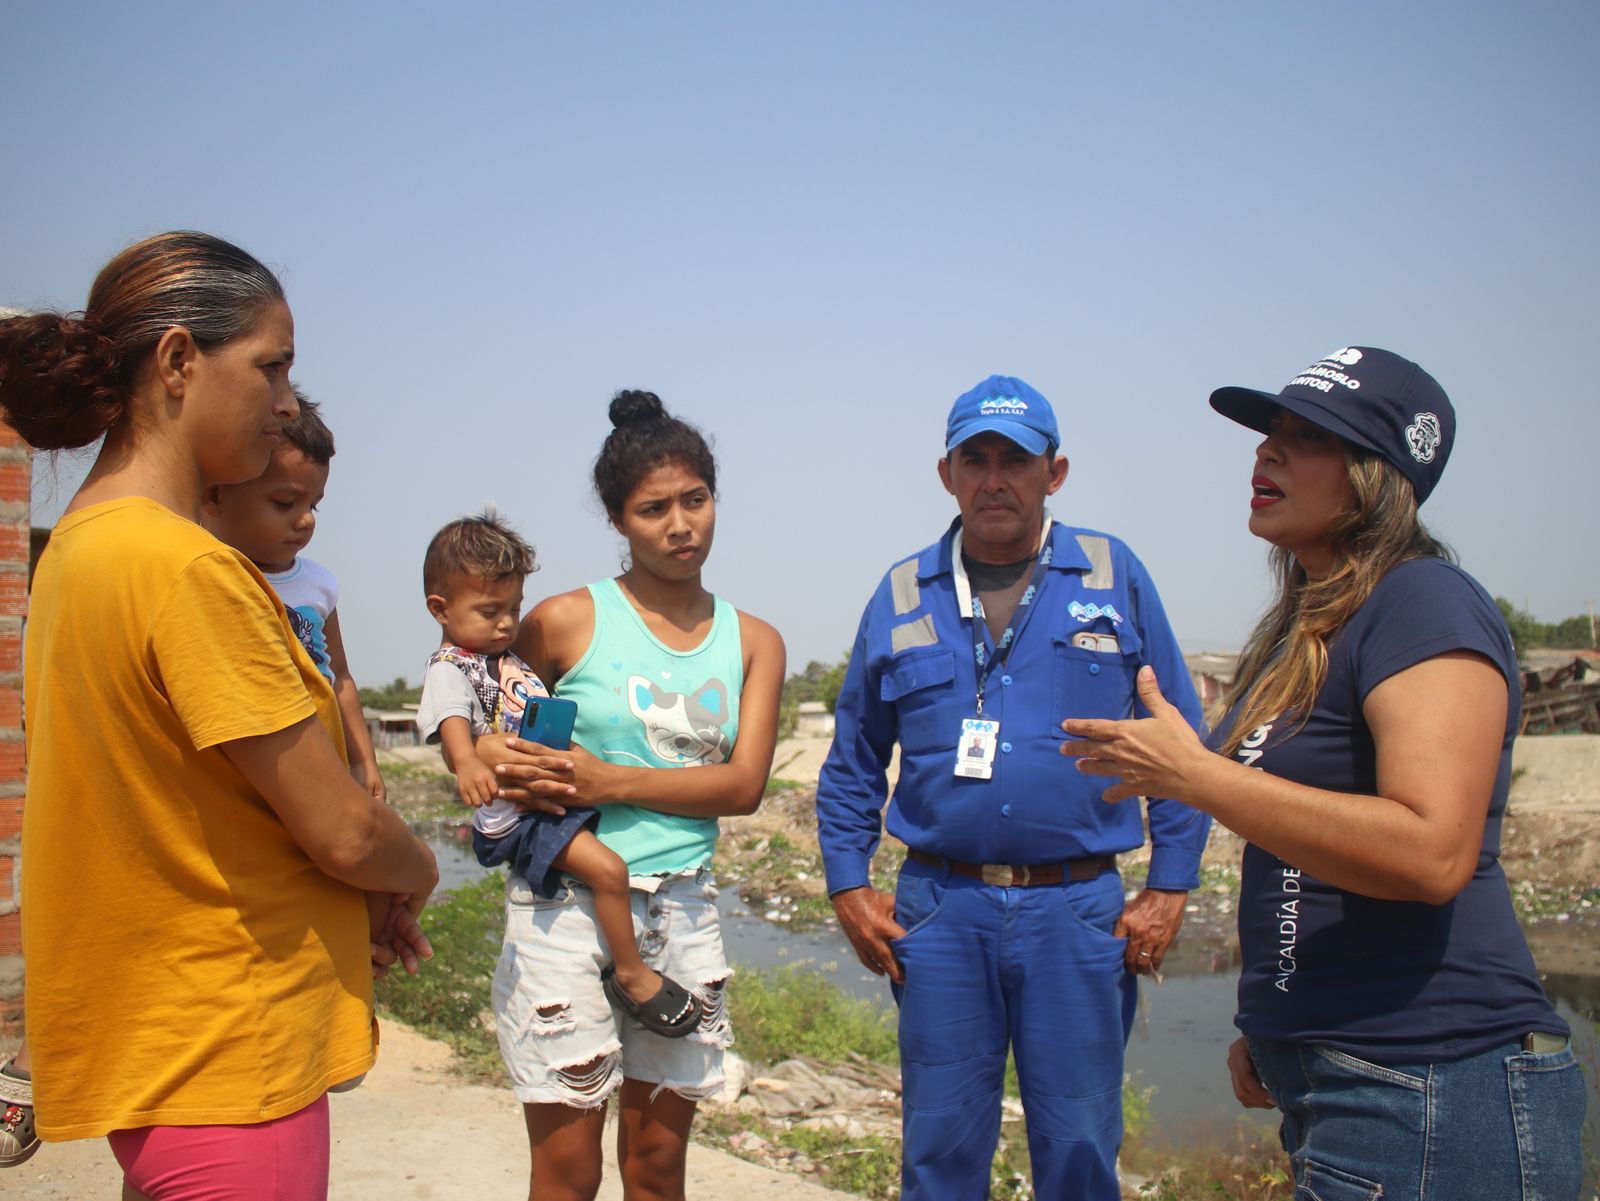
[(60, 384), (630, 407)]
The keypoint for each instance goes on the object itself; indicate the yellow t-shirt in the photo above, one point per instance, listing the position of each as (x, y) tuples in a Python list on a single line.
[(187, 964)]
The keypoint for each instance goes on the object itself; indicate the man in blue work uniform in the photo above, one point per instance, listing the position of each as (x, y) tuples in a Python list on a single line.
[(1008, 926)]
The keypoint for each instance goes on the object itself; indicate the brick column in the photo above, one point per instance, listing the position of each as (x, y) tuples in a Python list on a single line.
[(16, 469)]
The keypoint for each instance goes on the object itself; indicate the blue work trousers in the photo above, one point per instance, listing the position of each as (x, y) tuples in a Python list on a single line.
[(1034, 969)]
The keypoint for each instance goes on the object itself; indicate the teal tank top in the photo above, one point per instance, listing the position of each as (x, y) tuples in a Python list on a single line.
[(643, 704)]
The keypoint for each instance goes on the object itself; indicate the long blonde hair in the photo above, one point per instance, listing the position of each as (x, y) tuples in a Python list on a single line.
[(1285, 662)]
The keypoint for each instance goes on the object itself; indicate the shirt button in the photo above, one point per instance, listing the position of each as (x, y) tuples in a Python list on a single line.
[(1006, 680), (1005, 810), (1094, 669), (1006, 747)]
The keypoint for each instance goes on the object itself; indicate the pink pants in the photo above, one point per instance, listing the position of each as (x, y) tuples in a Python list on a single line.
[(282, 1160)]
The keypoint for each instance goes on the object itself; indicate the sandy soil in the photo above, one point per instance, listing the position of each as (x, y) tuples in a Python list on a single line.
[(415, 1132)]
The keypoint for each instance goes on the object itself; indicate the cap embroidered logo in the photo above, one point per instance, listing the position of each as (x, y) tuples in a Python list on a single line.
[(1423, 436)]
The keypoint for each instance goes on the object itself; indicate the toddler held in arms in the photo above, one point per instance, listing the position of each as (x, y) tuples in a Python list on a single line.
[(270, 520), (475, 684)]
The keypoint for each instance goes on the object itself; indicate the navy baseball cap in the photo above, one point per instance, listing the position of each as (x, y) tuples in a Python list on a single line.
[(1370, 397), (1003, 405)]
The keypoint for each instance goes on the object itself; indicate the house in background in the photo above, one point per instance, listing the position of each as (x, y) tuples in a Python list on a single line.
[(393, 727), (1212, 672), (812, 720)]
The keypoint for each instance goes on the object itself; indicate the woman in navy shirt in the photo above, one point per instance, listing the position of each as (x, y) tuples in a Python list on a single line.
[(1389, 1005)]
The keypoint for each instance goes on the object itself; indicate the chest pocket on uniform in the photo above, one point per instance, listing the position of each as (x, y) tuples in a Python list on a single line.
[(1094, 683), (921, 686)]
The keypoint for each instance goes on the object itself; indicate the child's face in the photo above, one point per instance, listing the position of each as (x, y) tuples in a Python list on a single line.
[(270, 518), (477, 614)]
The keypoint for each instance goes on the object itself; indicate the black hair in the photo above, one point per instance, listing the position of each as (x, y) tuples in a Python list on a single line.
[(309, 433), (645, 436)]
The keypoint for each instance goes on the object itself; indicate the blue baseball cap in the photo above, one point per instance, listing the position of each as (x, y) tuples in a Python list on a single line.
[(1373, 398), (1003, 405)]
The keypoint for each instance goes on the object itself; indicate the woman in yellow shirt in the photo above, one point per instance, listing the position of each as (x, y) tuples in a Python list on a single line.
[(198, 941)]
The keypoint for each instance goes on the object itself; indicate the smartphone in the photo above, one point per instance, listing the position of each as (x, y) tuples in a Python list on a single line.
[(548, 720)]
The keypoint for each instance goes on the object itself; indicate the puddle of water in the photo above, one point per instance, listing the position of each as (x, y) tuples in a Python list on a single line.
[(1180, 1037), (451, 844)]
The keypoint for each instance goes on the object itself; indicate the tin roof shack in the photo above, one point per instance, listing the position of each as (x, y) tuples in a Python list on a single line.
[(1560, 691)]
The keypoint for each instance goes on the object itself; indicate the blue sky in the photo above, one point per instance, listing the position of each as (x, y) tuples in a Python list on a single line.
[(809, 227)]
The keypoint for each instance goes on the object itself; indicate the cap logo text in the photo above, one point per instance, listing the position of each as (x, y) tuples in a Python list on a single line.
[(1323, 378), (1010, 406)]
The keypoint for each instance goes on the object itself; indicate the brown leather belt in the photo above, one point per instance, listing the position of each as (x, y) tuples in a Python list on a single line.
[(1007, 875)]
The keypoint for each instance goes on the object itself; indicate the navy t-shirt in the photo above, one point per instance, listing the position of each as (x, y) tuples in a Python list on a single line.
[(1389, 981)]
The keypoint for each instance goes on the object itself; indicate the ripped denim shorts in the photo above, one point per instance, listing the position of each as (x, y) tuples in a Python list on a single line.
[(561, 1040)]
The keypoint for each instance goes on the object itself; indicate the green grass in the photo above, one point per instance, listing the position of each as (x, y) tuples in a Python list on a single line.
[(449, 998), (868, 1166), (1257, 1171), (778, 784), (789, 1011), (407, 771)]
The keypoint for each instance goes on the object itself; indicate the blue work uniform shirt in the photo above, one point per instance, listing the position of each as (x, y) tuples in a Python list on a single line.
[(912, 678)]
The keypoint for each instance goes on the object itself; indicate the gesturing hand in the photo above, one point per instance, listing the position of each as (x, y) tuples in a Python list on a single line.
[(1156, 756)]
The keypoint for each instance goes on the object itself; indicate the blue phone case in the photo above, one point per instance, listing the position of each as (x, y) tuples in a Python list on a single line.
[(548, 721)]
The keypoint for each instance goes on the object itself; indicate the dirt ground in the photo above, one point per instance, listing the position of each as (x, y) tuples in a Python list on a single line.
[(415, 1131), (1554, 813)]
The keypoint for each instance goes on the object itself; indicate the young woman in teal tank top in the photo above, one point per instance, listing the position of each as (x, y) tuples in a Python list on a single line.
[(677, 697)]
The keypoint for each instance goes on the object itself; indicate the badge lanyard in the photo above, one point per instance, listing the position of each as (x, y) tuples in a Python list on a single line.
[(980, 735), (1008, 638)]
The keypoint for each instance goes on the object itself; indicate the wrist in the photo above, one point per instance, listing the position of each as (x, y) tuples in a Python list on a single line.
[(1209, 780), (608, 783)]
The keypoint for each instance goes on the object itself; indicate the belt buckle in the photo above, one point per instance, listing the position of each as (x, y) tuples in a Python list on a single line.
[(1538, 1042), (1003, 875)]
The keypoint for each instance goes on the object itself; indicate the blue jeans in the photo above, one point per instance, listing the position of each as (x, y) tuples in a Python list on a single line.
[(1034, 969), (1504, 1125)]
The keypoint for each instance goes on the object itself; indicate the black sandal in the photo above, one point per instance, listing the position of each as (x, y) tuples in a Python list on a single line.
[(673, 1012)]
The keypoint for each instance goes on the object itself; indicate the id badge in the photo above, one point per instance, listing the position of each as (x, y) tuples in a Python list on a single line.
[(975, 751)]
